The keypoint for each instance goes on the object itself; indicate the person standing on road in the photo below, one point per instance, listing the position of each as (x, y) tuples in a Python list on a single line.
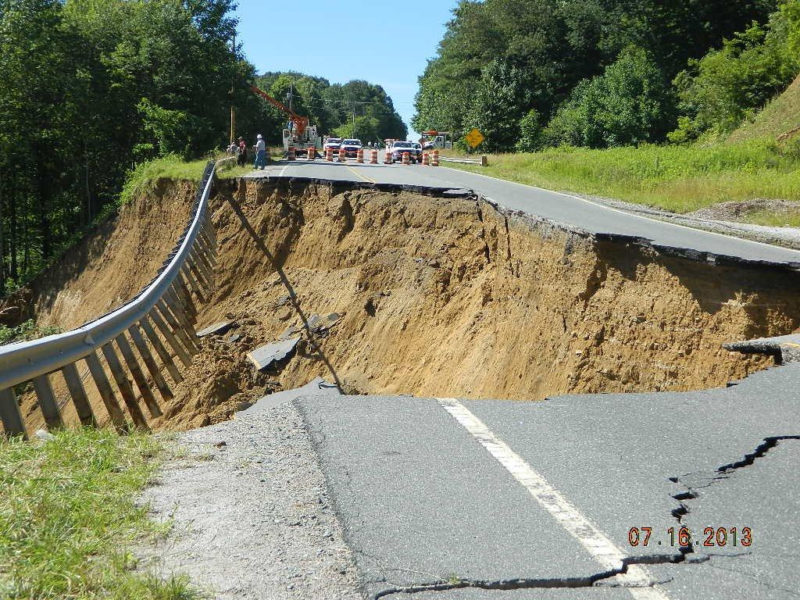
[(242, 158), (261, 153)]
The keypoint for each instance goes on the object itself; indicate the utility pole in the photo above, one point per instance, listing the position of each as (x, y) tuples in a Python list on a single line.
[(233, 92)]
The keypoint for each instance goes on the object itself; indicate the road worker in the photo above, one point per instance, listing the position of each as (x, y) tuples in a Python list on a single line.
[(261, 153)]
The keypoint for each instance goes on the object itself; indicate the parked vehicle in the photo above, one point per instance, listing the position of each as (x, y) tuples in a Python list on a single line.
[(332, 143), (400, 146), (350, 147)]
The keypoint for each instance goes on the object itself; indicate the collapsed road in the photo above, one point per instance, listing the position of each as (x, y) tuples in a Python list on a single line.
[(437, 298)]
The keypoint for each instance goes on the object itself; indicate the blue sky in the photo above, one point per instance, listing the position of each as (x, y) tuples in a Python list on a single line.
[(387, 43)]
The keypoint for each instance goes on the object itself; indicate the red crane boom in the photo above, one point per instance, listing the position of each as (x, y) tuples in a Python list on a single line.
[(300, 123)]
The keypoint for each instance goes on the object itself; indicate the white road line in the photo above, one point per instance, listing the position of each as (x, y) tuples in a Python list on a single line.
[(636, 579)]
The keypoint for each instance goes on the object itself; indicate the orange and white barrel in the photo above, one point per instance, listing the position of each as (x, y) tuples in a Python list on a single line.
[(342, 155), (329, 154), (426, 160), (291, 153), (406, 158), (373, 156), (387, 158), (435, 159), (360, 155), (311, 153)]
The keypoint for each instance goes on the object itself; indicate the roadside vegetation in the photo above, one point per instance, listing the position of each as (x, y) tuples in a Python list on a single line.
[(68, 520), (678, 106), (675, 178), (27, 330)]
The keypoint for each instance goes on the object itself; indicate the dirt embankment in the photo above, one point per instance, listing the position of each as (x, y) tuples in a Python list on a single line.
[(114, 263), (443, 296), (450, 297)]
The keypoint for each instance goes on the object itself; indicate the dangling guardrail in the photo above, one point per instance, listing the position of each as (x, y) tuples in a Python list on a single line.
[(159, 319)]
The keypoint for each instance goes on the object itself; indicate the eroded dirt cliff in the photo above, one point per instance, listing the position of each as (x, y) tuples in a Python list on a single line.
[(405, 292), (449, 296)]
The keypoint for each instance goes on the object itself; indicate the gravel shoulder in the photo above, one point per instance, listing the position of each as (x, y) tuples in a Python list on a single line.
[(250, 514), (720, 218)]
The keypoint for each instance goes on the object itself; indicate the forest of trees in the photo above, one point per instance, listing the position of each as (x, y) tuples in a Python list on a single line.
[(598, 73), (91, 88)]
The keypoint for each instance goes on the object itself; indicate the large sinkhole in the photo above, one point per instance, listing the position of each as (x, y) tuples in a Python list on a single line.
[(444, 294)]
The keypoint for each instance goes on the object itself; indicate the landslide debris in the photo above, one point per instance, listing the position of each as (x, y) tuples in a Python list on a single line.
[(446, 295)]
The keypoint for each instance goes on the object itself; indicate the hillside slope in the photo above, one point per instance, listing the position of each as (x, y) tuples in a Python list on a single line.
[(780, 116)]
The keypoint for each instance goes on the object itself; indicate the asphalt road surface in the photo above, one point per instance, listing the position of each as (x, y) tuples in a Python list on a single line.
[(441, 498), (558, 207), (646, 496)]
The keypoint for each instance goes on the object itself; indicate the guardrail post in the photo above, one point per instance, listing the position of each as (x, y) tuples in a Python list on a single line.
[(172, 340), (162, 352), (11, 415), (47, 402), (78, 395), (205, 263), (138, 376), (181, 292), (193, 285), (200, 275), (106, 393), (177, 321), (124, 386), (150, 362)]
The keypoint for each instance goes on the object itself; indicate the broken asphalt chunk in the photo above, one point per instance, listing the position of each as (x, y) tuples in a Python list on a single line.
[(273, 353), (216, 329)]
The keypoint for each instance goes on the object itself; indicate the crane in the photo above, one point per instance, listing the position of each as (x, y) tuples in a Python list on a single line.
[(300, 123)]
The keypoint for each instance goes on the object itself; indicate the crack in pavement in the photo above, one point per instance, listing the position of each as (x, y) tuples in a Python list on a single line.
[(550, 583), (719, 474)]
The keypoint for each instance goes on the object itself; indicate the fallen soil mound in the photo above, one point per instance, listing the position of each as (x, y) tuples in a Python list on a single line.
[(403, 292)]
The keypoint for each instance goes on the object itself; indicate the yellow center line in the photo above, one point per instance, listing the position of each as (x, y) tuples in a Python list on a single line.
[(357, 174)]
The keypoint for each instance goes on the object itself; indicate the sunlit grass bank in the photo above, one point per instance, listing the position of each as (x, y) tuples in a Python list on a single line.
[(676, 178)]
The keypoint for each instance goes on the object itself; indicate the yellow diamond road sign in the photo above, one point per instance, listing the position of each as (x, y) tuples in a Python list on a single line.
[(474, 138)]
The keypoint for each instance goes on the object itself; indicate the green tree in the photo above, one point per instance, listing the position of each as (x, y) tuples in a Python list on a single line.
[(628, 104), (728, 85)]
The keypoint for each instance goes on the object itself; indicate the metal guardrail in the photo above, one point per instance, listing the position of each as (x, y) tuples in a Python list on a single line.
[(160, 318), (482, 161)]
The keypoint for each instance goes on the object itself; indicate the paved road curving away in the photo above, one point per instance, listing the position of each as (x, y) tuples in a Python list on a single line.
[(562, 208)]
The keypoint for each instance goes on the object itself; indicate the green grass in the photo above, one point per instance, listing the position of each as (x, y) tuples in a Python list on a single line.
[(68, 518), (143, 179), (676, 178), (28, 330)]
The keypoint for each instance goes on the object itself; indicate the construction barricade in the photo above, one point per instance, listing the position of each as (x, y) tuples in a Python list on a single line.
[(360, 155), (425, 159), (291, 153), (311, 153), (387, 158), (342, 155), (435, 159), (329, 154), (406, 158), (373, 156)]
